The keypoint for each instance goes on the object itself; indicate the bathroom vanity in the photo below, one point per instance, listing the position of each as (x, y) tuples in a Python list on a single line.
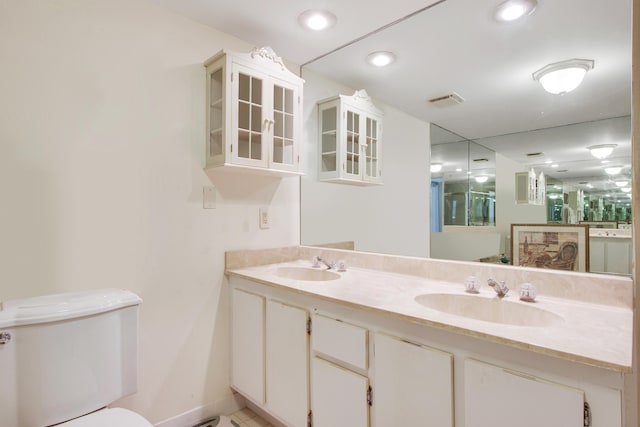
[(390, 344)]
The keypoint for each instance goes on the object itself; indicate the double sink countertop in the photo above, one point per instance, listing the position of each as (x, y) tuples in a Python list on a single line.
[(587, 332)]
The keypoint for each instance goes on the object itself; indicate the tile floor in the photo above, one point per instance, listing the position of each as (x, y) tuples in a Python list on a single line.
[(245, 417)]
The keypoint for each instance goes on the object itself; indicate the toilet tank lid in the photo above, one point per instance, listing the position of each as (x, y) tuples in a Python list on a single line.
[(68, 305)]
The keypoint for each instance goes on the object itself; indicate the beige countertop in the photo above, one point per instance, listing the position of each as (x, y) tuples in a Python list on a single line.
[(594, 334)]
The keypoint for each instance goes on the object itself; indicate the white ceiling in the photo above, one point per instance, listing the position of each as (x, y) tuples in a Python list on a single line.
[(457, 46)]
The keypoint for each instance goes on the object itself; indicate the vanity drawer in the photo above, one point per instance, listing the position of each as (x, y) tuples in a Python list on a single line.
[(340, 341)]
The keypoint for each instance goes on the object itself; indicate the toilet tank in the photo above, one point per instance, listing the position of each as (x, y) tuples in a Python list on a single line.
[(65, 355)]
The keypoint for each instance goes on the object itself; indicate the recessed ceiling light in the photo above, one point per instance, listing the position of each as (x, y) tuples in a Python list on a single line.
[(512, 10), (436, 167), (555, 165), (481, 178), (381, 58), (317, 20)]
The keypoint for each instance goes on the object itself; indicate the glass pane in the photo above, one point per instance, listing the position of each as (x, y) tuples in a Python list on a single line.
[(216, 85), (278, 98), (288, 126), (244, 87), (243, 115), (329, 162), (256, 146), (350, 121), (256, 118), (256, 91), (329, 119), (277, 150), (243, 144), (372, 128), (215, 144), (278, 126), (329, 143), (288, 101), (216, 117)]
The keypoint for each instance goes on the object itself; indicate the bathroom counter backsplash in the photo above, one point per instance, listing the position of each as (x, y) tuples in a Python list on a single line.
[(594, 329)]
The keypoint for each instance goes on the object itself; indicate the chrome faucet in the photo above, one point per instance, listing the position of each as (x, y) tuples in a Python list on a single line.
[(501, 288), (317, 260)]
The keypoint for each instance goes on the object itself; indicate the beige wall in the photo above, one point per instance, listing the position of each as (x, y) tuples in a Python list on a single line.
[(101, 154)]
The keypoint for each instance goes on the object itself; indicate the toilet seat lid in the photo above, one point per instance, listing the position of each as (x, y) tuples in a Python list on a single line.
[(110, 417)]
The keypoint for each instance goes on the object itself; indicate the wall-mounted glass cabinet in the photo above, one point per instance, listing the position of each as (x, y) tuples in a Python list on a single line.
[(254, 113), (350, 140)]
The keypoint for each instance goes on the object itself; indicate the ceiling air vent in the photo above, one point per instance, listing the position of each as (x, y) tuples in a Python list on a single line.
[(482, 159), (538, 154), (447, 100)]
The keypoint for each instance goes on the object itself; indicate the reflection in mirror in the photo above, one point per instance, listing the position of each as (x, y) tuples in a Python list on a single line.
[(503, 109)]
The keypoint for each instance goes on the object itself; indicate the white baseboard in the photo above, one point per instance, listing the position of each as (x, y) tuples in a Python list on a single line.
[(226, 406)]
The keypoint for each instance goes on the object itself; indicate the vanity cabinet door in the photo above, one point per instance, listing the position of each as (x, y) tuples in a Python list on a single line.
[(247, 344), (413, 384), (494, 396), (287, 360), (338, 396)]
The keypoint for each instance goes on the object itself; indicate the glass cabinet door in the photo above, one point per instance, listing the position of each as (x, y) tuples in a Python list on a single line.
[(328, 139), (284, 154), (251, 124), (372, 154), (352, 149)]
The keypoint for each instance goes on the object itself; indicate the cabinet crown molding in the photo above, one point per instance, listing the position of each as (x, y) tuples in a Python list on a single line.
[(267, 53)]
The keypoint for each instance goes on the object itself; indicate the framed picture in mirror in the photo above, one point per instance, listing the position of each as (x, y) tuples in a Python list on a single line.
[(601, 224), (552, 246)]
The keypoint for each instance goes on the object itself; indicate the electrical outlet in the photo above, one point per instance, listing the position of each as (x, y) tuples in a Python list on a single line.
[(265, 220)]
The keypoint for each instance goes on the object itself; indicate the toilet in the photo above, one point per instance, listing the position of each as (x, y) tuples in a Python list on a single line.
[(66, 357)]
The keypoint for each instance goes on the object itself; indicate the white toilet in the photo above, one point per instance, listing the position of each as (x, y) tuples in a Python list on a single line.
[(65, 357)]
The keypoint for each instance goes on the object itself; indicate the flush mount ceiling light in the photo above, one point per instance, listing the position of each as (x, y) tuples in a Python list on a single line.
[(317, 20), (436, 167), (601, 151), (613, 170), (512, 10), (482, 178), (381, 58), (562, 77), (622, 183)]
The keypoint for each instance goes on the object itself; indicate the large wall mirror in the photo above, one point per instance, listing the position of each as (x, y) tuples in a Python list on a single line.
[(458, 50)]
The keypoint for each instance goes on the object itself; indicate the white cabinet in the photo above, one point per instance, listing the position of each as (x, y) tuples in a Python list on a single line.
[(413, 384), (350, 140), (270, 355), (254, 113), (247, 344), (495, 396), (338, 396), (610, 254), (340, 392), (287, 363)]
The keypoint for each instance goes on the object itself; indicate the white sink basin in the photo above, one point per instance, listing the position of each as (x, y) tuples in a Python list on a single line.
[(492, 310), (307, 274)]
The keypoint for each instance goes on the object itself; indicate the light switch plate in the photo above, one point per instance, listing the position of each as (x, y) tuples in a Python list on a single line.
[(209, 197)]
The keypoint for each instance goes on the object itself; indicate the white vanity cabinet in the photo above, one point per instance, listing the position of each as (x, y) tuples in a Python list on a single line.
[(413, 384), (269, 349), (610, 254), (247, 344), (350, 140), (254, 113), (340, 392), (499, 397)]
